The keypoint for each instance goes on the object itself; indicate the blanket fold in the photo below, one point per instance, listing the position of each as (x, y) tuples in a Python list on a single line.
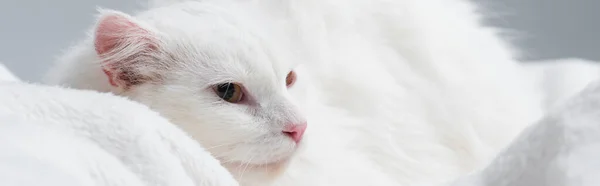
[(560, 150), (138, 140)]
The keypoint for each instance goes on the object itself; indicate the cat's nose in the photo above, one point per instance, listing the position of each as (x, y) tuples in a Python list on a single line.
[(295, 131)]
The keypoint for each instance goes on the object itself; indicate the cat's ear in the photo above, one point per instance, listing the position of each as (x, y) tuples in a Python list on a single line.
[(126, 49)]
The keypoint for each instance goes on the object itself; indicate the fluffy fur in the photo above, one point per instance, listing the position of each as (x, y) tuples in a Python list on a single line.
[(98, 139), (395, 92)]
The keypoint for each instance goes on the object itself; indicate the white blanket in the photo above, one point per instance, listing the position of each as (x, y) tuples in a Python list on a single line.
[(562, 78), (563, 149), (55, 136)]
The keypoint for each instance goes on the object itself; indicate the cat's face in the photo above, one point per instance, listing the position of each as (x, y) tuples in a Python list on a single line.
[(241, 112), (237, 94)]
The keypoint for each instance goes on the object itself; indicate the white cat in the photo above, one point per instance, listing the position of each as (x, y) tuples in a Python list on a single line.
[(394, 92)]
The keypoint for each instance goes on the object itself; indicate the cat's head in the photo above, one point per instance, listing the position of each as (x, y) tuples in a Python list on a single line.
[(236, 92)]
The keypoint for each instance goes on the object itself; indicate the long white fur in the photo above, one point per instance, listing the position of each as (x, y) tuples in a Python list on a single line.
[(395, 92), (100, 139)]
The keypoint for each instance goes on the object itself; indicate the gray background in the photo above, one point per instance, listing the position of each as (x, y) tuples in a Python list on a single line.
[(34, 32)]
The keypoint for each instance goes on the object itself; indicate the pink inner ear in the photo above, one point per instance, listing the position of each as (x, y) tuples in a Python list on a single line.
[(120, 43), (116, 29)]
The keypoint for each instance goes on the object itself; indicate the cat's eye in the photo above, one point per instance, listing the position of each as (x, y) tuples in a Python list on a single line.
[(290, 79), (230, 92)]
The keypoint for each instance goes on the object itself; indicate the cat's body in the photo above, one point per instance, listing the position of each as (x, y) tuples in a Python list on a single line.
[(394, 92)]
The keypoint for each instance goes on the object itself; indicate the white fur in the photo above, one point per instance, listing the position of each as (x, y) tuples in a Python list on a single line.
[(395, 92), (101, 139)]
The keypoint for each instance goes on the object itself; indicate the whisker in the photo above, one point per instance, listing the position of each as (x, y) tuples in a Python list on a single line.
[(266, 169), (246, 167), (224, 144)]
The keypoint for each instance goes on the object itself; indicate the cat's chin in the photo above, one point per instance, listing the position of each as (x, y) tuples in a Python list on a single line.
[(277, 164), (257, 173), (273, 165)]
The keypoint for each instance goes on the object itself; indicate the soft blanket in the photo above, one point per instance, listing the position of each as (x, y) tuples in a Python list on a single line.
[(560, 79), (563, 149), (58, 136)]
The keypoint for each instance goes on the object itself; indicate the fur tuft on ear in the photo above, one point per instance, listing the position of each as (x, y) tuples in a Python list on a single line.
[(125, 48)]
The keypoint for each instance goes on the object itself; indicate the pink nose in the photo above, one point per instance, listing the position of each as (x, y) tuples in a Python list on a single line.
[(295, 131)]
